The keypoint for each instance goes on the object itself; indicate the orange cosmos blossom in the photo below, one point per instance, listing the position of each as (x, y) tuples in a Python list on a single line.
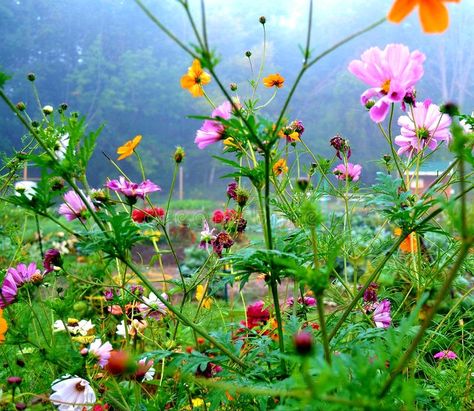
[(195, 79), (280, 167), (433, 13), (274, 80), (3, 327), (128, 148), (409, 244)]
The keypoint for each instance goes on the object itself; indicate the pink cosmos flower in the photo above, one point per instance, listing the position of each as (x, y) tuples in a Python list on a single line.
[(307, 301), (427, 127), (132, 190), (153, 307), (14, 279), (72, 394), (213, 131), (351, 173), (101, 351), (381, 315), (446, 354), (73, 206), (391, 73)]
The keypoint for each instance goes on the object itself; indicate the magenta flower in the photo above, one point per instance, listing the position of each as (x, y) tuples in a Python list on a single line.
[(307, 301), (232, 190), (14, 279), (213, 131), (74, 207), (446, 354), (351, 172), (52, 258), (391, 72), (8, 291), (427, 128), (132, 190), (101, 351), (381, 315)]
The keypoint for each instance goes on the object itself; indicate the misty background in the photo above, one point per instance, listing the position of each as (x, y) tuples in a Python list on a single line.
[(109, 62)]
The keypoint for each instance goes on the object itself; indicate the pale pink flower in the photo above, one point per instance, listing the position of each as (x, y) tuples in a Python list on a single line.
[(72, 394), (446, 354), (381, 314), (207, 236), (426, 127), (213, 131), (74, 207), (153, 307), (101, 351), (391, 72), (351, 172)]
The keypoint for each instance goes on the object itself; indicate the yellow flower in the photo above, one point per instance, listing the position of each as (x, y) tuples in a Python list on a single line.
[(128, 148), (280, 167), (153, 235), (273, 80), (3, 327), (195, 79), (206, 302)]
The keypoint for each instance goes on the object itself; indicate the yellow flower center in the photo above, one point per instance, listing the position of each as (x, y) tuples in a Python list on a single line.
[(385, 86)]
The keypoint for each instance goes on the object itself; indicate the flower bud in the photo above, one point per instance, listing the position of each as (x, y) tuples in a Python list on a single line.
[(302, 183), (450, 108), (179, 155), (13, 380), (52, 259), (63, 106), (84, 352), (21, 106), (248, 53), (56, 183), (303, 343), (31, 77), (241, 196), (47, 110), (262, 20), (20, 406), (387, 158), (233, 86), (20, 363), (34, 124), (369, 104)]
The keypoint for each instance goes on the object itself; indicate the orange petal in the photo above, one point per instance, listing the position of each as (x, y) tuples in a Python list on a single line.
[(187, 81), (205, 78), (401, 9), (136, 140), (434, 16), (196, 90), (196, 68)]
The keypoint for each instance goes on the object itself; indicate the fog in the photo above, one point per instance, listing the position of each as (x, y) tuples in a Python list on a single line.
[(107, 60)]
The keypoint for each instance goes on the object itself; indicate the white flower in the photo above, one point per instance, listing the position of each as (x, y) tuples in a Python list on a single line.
[(72, 394), (28, 188), (143, 365), (136, 326), (74, 327), (101, 351), (153, 307), (47, 110), (61, 145)]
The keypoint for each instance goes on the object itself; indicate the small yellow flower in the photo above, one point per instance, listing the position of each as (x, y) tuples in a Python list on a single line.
[(206, 302), (153, 235), (195, 79), (3, 327), (274, 80), (280, 167), (128, 148)]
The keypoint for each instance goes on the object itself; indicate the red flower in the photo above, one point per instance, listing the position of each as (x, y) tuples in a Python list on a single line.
[(218, 216), (256, 315), (139, 216)]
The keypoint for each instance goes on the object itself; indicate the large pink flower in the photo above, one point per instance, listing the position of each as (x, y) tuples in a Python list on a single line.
[(351, 172), (130, 189), (14, 279), (73, 206), (427, 127), (213, 131), (391, 72)]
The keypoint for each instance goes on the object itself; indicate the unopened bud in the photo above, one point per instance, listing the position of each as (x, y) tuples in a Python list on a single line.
[(262, 20), (34, 124), (369, 104), (302, 183), (21, 106), (57, 183), (233, 86), (387, 158), (303, 343), (241, 196), (63, 106), (179, 155), (14, 380), (31, 77), (47, 110), (20, 406), (450, 108), (248, 53)]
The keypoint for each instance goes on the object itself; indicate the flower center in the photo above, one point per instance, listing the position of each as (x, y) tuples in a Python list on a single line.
[(385, 86), (422, 133), (80, 386)]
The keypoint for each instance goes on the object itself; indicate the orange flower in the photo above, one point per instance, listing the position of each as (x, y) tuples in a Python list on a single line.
[(409, 244), (273, 80), (280, 167), (433, 13), (3, 327), (128, 148), (195, 79)]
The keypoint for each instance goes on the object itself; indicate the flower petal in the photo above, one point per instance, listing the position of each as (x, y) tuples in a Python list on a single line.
[(401, 9), (434, 16)]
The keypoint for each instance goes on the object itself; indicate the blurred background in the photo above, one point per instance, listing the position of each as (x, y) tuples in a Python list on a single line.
[(108, 61)]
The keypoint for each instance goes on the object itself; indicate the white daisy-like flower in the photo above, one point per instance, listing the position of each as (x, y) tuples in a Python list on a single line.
[(74, 327), (61, 145), (28, 188), (72, 394), (136, 326)]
